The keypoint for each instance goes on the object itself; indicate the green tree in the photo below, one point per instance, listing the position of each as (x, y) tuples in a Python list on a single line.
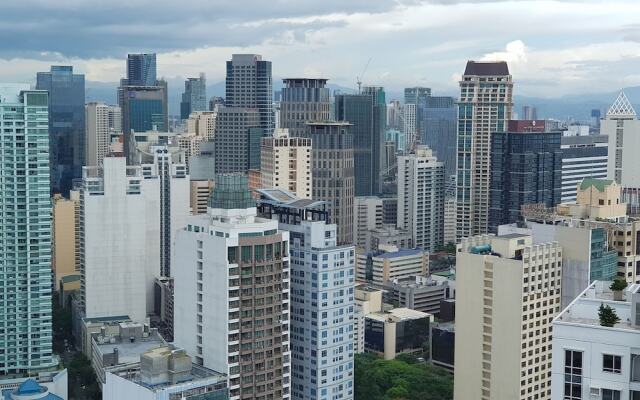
[(608, 316)]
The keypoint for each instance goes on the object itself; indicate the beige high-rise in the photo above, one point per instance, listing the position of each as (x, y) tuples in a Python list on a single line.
[(286, 163), (486, 102), (64, 236), (102, 122), (508, 292)]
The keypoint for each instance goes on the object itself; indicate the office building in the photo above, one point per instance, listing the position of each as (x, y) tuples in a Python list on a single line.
[(413, 95), (202, 124), (322, 286), (450, 219), (366, 113), (144, 108), (391, 263), (419, 292), (388, 235), (332, 172), (622, 126), (421, 198), (66, 125), (163, 373), (286, 163), (595, 118), (141, 69), (194, 97), (25, 232), (368, 299), (216, 102), (485, 106), (64, 240), (232, 312), (303, 100), (438, 121), (367, 215), (396, 331), (200, 190), (249, 85), (104, 126), (529, 113), (526, 168), (593, 361), (237, 140), (394, 116), (582, 157), (507, 293), (413, 98), (442, 346)]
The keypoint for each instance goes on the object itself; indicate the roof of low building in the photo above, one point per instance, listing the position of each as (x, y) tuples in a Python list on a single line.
[(599, 184)]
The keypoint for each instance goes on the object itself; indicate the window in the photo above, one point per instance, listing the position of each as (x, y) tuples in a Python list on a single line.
[(608, 394), (572, 375), (611, 363)]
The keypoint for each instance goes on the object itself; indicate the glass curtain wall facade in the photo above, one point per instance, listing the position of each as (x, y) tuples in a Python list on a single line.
[(437, 121)]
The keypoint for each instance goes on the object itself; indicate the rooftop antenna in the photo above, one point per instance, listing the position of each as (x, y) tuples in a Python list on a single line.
[(359, 78)]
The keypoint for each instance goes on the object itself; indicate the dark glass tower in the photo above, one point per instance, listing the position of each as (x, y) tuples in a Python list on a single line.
[(526, 168), (438, 117), (194, 97), (141, 69), (367, 114), (66, 124)]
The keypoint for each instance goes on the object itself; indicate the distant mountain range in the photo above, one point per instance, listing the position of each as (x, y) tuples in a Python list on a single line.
[(570, 107)]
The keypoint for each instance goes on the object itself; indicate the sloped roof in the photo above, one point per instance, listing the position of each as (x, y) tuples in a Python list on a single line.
[(621, 107), (28, 387), (486, 68), (599, 184)]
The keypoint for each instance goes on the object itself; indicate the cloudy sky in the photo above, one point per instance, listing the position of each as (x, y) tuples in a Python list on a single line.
[(553, 47)]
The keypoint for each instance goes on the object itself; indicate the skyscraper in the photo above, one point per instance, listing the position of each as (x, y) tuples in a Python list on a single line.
[(526, 168), (322, 298), (303, 100), (141, 69), (231, 293), (438, 120), (413, 98), (194, 97), (529, 113), (367, 115), (286, 163), (332, 171), (104, 122), (421, 198), (582, 157), (237, 140), (25, 231), (66, 124), (486, 101), (249, 85)]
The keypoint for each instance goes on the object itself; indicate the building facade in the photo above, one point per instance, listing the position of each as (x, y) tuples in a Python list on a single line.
[(141, 69), (237, 140), (333, 172), (507, 294), (286, 163), (367, 215), (421, 198), (582, 157), (249, 85), (104, 124), (303, 100), (526, 168), (194, 97), (485, 106), (64, 240), (144, 108), (25, 227), (232, 311), (66, 124), (438, 116), (382, 266)]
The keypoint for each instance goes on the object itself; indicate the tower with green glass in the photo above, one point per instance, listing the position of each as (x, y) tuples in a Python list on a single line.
[(25, 232)]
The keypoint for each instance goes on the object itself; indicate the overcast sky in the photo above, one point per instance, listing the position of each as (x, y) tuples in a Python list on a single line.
[(553, 47)]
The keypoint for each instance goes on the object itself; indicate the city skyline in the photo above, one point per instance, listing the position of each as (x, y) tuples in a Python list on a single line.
[(581, 50)]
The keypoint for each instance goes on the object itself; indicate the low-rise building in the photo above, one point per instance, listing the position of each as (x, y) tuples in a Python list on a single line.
[(399, 330), (443, 342), (367, 299), (391, 263), (592, 361), (46, 385), (388, 235), (420, 293)]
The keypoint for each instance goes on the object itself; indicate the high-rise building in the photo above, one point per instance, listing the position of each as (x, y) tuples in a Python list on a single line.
[(529, 113), (582, 157), (592, 360), (394, 116), (507, 293), (413, 95), (231, 293), (25, 231), (367, 215), (526, 168), (63, 261), (413, 98), (194, 97), (622, 126), (104, 124), (216, 102), (202, 124), (486, 102), (438, 122), (141, 69), (66, 124), (303, 100), (286, 163), (421, 198), (332, 172), (249, 85), (366, 113), (322, 298), (237, 140)]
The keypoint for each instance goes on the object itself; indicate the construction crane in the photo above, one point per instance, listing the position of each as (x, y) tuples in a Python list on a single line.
[(359, 78)]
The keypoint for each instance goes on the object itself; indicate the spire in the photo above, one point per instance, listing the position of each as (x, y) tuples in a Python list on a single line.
[(621, 107)]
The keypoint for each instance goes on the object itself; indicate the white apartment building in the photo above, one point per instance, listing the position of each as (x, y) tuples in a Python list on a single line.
[(421, 198), (507, 293), (285, 163), (119, 240), (103, 124), (367, 215), (595, 362), (231, 293)]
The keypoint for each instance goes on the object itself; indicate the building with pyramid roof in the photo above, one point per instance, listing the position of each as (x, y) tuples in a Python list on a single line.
[(622, 126)]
